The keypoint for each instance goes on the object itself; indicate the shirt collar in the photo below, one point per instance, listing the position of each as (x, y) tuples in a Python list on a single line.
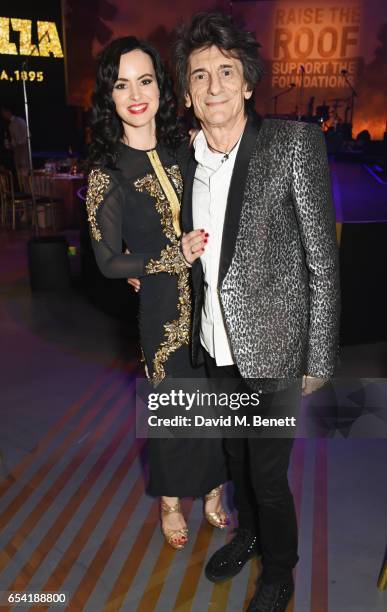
[(203, 154)]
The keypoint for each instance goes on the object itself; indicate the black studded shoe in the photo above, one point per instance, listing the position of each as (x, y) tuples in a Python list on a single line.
[(229, 560), (271, 597)]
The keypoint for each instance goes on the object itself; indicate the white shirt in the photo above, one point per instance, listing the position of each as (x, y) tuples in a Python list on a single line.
[(209, 199)]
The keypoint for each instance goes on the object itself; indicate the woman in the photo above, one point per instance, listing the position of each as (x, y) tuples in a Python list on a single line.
[(134, 197)]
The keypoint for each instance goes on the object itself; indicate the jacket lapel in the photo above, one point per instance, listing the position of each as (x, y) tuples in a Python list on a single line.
[(235, 197), (187, 218)]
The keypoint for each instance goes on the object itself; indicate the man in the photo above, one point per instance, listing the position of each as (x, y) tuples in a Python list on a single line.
[(260, 236)]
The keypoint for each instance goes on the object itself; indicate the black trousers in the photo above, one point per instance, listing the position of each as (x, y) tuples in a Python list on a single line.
[(258, 469)]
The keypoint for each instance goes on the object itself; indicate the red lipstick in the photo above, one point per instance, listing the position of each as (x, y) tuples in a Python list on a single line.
[(137, 109)]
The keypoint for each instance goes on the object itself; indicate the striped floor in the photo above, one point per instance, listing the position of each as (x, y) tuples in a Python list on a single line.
[(74, 517)]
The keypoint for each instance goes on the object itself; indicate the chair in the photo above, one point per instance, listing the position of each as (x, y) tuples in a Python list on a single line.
[(16, 201), (41, 188)]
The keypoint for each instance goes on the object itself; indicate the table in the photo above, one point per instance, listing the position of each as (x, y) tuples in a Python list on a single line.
[(65, 188)]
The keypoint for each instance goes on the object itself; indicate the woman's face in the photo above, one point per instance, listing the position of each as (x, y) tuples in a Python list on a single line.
[(136, 93)]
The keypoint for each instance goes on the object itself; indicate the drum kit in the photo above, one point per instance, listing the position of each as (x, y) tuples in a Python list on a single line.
[(329, 115), (334, 115), (331, 119)]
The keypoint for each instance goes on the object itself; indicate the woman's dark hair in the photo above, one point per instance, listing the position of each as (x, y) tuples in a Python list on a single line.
[(207, 29), (105, 124)]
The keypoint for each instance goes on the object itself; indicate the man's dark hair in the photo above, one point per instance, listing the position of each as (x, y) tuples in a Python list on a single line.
[(207, 29)]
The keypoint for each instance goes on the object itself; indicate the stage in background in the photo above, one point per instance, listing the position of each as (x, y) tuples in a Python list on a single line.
[(322, 59)]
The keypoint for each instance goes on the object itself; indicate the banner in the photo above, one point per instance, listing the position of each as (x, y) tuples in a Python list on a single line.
[(323, 54)]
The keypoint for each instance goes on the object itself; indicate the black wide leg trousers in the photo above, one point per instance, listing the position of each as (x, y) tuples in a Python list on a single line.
[(258, 468)]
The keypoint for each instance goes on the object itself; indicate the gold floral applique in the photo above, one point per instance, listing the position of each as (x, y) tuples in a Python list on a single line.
[(151, 185), (176, 332), (171, 261), (175, 175), (97, 185)]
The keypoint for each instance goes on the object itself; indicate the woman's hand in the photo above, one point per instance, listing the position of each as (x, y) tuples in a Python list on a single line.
[(193, 245), (134, 282)]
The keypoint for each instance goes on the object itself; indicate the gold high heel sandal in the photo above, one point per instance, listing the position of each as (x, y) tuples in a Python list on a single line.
[(219, 519), (173, 536)]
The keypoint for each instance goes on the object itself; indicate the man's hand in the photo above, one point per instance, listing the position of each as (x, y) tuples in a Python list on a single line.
[(134, 282), (312, 383), (193, 244)]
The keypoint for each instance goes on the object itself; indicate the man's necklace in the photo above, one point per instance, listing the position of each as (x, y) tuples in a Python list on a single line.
[(226, 154)]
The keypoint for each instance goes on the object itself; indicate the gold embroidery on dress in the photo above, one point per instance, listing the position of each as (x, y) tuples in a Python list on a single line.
[(174, 174), (171, 261), (150, 184), (97, 184), (177, 331)]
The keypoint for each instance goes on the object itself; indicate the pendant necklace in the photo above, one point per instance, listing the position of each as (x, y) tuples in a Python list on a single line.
[(226, 154)]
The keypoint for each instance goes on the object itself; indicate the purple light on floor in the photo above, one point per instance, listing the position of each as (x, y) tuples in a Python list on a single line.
[(376, 176)]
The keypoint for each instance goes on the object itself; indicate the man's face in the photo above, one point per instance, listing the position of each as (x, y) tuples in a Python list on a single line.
[(216, 87)]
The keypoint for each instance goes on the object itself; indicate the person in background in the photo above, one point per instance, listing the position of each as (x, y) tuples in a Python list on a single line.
[(18, 143)]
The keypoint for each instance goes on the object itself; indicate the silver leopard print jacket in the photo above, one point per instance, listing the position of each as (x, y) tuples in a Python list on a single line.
[(279, 285), (281, 293)]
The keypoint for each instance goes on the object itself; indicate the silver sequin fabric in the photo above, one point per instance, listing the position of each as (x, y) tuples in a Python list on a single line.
[(281, 295)]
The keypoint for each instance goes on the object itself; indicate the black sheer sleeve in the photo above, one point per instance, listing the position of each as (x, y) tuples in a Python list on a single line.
[(104, 207)]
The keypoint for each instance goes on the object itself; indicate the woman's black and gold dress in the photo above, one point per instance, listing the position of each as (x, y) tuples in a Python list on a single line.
[(129, 204)]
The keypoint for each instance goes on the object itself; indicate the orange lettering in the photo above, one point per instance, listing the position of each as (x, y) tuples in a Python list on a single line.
[(321, 42), (282, 38), (307, 35), (347, 41)]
